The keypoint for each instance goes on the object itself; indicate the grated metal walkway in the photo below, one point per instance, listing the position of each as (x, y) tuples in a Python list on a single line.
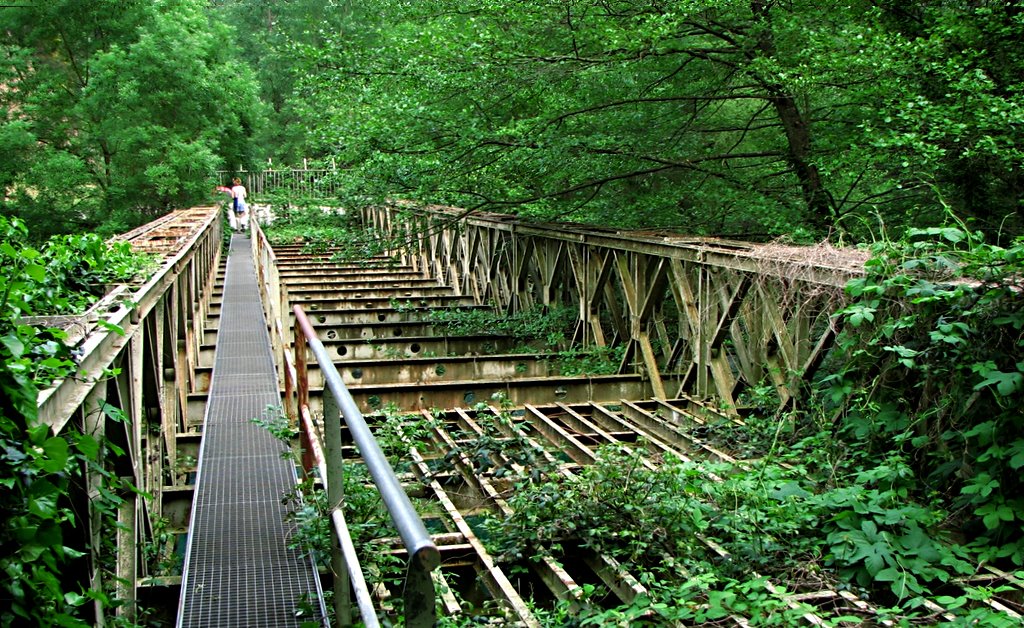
[(239, 571)]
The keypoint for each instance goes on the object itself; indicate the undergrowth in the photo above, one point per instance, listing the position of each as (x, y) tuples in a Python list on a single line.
[(551, 327), (325, 233)]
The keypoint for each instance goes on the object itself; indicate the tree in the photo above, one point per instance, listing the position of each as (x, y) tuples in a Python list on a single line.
[(118, 111), (753, 118), (269, 34), (954, 113)]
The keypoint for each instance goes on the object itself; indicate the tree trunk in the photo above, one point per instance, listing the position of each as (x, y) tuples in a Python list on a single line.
[(798, 136), (797, 127)]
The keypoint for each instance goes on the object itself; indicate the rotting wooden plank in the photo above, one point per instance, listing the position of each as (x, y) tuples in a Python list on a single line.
[(747, 342), (656, 432), (615, 577), (655, 290), (731, 302), (635, 412), (582, 423), (579, 268), (449, 603), (652, 365), (627, 282), (772, 313), (547, 569), (586, 423), (604, 566)]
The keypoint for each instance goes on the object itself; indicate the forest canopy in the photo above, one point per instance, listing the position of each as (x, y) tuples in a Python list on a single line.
[(756, 119), (117, 111), (752, 119)]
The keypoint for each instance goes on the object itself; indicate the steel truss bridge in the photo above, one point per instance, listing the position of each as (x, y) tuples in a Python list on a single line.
[(214, 340)]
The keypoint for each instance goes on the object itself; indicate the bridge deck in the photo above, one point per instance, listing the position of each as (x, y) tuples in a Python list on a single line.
[(239, 570)]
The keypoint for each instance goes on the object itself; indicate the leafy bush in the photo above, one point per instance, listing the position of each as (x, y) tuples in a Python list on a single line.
[(934, 372)]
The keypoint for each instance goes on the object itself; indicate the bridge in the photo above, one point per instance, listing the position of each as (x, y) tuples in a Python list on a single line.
[(331, 351)]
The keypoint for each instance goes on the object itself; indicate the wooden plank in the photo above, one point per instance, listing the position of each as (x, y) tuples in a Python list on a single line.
[(555, 433)]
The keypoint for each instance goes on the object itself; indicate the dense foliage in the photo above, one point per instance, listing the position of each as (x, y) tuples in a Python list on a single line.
[(754, 119), (42, 583), (115, 112), (933, 370), (269, 35)]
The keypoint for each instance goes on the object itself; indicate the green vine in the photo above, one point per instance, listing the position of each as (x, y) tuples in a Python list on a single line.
[(39, 471), (934, 371)]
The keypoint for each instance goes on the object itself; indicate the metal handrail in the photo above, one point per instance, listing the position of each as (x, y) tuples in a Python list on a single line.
[(424, 556)]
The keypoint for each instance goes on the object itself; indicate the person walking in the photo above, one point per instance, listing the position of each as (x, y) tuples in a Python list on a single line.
[(238, 205)]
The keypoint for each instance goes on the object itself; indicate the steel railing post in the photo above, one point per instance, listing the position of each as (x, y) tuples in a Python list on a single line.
[(338, 403), (335, 499)]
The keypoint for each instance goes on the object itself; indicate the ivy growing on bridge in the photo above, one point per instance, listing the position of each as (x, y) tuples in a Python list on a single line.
[(42, 559)]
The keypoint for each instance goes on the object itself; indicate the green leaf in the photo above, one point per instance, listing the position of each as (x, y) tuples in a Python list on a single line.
[(890, 574), (49, 534), (30, 552), (789, 489), (56, 450), (14, 345), (74, 599), (42, 500), (117, 329), (875, 561), (1006, 383), (950, 602), (1017, 460), (37, 435), (993, 514), (88, 446), (983, 484), (36, 272)]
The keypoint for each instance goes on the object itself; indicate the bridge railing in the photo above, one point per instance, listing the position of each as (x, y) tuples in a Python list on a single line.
[(137, 351), (274, 297), (339, 405), (295, 182), (697, 316)]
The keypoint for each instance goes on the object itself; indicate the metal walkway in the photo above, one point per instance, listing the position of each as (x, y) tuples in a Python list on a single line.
[(239, 571)]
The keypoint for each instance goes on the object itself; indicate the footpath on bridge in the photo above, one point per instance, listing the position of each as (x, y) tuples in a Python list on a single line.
[(239, 570)]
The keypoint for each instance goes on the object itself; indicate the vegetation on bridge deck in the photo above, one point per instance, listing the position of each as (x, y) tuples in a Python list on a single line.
[(888, 492), (895, 124)]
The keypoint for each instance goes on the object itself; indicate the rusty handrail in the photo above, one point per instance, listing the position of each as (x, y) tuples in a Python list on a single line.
[(424, 556)]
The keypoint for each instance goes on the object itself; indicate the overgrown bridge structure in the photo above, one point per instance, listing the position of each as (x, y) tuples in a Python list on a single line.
[(691, 325)]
